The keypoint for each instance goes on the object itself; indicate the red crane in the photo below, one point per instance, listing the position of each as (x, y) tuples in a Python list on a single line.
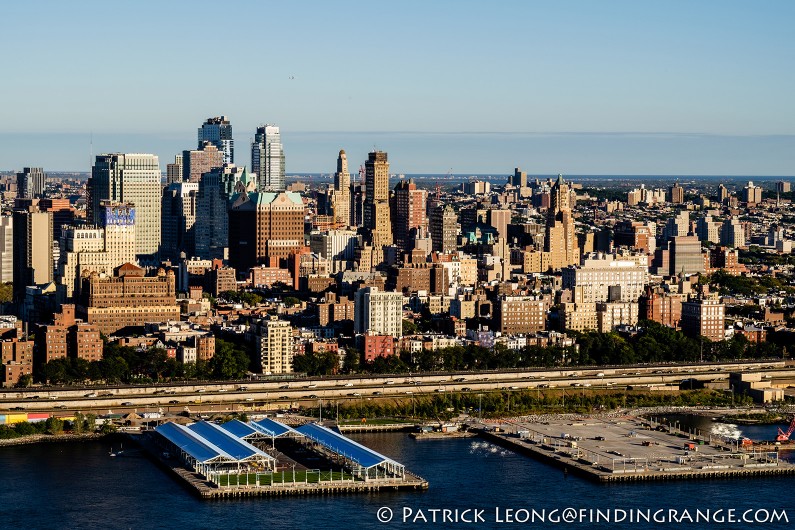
[(784, 436)]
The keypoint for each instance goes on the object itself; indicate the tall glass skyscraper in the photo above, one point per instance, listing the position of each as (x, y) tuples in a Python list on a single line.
[(218, 131), (267, 158)]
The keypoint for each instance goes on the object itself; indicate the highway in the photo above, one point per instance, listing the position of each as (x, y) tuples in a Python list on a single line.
[(284, 393)]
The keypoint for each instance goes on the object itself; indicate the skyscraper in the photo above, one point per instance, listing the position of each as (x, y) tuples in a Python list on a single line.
[(264, 225), (33, 261), (133, 178), (444, 228), (199, 161), (6, 248), (31, 183), (213, 201), (409, 212), (342, 191), (218, 131), (560, 240), (376, 201), (267, 158), (178, 217)]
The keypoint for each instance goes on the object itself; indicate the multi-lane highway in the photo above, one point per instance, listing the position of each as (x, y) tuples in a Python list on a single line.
[(286, 392)]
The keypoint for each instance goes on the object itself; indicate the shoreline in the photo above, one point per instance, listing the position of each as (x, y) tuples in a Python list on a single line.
[(53, 438)]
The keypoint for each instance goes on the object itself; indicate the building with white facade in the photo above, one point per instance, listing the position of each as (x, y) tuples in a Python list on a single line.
[(133, 178), (606, 277), (378, 312)]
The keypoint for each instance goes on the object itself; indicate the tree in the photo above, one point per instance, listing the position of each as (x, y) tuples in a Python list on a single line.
[(91, 422), (409, 327), (229, 362), (54, 425), (78, 425), (290, 301), (352, 360), (25, 380)]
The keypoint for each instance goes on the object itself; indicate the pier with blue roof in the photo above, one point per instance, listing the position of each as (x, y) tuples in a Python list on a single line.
[(268, 457)]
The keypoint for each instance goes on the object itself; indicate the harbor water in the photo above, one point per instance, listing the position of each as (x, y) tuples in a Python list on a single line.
[(78, 485)]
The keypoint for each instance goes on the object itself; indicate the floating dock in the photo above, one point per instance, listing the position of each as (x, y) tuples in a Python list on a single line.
[(630, 450)]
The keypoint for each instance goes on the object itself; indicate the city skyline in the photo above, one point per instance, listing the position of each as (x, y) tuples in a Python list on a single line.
[(570, 87)]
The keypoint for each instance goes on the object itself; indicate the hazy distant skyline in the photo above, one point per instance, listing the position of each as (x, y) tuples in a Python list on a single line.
[(570, 86)]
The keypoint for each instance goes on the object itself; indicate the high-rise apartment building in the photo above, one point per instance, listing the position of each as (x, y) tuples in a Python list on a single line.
[(378, 312), (376, 201), (33, 252), (213, 202), (264, 225), (199, 161), (273, 340), (678, 225), (723, 193), (267, 158), (31, 183), (604, 278), (218, 131), (708, 230), (703, 316), (521, 314), (732, 233), (635, 235), (752, 194), (676, 194), (444, 229), (560, 240), (6, 248), (685, 256), (409, 212), (519, 178), (178, 218), (132, 178), (174, 170)]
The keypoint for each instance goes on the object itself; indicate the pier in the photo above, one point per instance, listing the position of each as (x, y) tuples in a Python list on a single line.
[(629, 450), (264, 459)]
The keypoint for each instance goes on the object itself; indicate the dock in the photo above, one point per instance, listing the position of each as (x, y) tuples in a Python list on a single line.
[(335, 483), (630, 450)]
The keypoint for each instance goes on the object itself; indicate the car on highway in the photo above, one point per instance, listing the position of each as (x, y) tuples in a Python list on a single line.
[(376, 393), (91, 394), (284, 397), (174, 401), (313, 396), (127, 404)]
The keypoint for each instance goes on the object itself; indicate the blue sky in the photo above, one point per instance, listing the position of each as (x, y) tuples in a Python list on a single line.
[(573, 86)]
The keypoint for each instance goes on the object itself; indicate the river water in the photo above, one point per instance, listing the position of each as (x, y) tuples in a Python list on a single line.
[(78, 485)]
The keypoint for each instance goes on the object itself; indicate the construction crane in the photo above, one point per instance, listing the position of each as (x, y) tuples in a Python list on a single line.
[(784, 436)]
